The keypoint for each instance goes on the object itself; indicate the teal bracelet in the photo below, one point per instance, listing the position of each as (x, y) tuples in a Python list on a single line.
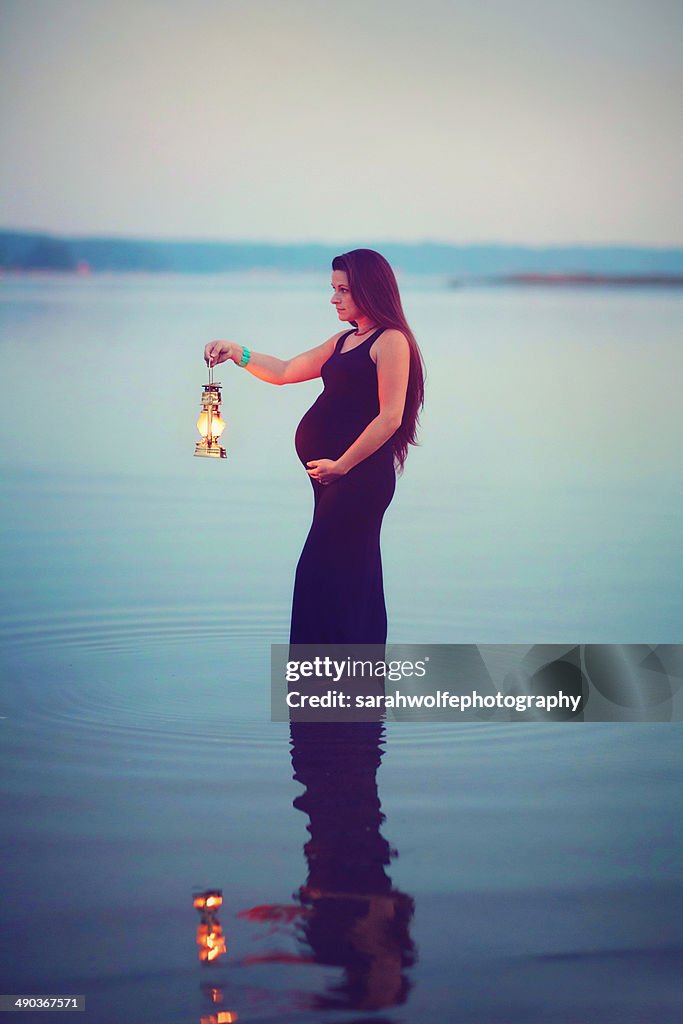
[(246, 356)]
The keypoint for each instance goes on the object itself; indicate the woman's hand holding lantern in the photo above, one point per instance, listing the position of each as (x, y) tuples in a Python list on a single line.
[(216, 352)]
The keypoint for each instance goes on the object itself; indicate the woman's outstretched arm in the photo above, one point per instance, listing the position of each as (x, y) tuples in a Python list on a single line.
[(305, 366)]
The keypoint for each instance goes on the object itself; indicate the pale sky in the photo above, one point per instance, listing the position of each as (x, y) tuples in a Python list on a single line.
[(532, 121)]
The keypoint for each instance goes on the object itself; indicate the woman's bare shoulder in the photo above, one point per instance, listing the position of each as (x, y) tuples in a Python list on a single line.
[(391, 343), (392, 336)]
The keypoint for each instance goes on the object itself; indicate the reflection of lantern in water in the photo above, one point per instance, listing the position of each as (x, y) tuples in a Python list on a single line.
[(210, 938), (210, 423), (214, 993), (210, 900)]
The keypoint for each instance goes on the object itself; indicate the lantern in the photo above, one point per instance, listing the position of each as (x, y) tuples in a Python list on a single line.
[(210, 423)]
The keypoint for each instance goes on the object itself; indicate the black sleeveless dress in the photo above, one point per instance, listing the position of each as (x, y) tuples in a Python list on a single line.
[(338, 588)]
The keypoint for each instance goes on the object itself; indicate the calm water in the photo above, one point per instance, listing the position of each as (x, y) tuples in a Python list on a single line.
[(420, 872)]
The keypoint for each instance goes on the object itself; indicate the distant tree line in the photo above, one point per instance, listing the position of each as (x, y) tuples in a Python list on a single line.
[(43, 253), (27, 251)]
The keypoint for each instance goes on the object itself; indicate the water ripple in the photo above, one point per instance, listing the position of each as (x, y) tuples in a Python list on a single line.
[(135, 675), (130, 629)]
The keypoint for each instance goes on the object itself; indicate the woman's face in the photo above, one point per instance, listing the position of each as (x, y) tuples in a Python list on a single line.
[(342, 299)]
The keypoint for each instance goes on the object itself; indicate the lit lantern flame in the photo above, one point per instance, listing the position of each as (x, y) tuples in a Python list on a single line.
[(210, 425), (222, 1017)]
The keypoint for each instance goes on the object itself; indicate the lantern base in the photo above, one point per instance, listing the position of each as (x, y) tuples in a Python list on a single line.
[(210, 451)]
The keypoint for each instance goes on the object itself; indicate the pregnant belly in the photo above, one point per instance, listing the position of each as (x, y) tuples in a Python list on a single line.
[(316, 439), (318, 436)]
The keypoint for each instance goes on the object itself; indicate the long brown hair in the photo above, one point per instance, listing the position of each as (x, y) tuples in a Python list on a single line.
[(374, 290)]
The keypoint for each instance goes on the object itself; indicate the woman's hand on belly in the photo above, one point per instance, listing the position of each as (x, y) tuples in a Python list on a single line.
[(325, 471)]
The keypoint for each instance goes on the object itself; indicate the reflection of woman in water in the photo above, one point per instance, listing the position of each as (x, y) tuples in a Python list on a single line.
[(351, 442), (348, 914), (355, 919)]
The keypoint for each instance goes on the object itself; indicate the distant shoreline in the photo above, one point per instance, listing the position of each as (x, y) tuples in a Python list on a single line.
[(551, 280), (475, 264), (622, 280)]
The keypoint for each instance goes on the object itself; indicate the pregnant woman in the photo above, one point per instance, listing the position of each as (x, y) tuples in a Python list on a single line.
[(351, 442)]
